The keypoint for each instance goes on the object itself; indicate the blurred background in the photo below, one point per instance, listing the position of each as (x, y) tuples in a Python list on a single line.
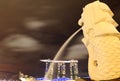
[(31, 30)]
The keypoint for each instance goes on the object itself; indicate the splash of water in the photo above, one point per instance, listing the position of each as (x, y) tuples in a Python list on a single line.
[(49, 74)]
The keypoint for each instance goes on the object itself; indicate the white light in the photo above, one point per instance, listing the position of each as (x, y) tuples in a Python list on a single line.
[(21, 43), (22, 79), (34, 24)]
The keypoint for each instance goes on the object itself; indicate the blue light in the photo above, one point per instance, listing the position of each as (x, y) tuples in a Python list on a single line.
[(40, 79), (57, 79), (61, 79)]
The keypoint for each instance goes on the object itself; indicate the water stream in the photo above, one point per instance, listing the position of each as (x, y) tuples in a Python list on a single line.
[(49, 74)]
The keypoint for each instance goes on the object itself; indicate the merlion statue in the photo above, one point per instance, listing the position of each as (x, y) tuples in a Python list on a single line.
[(102, 40)]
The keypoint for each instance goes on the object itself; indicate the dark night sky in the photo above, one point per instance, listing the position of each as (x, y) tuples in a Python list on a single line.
[(31, 30)]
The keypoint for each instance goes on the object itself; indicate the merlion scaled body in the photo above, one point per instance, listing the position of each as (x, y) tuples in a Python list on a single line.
[(102, 41)]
